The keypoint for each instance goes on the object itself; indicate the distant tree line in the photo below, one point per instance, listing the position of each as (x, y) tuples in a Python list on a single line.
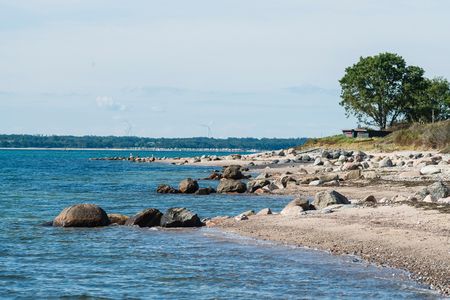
[(54, 141), (382, 90)]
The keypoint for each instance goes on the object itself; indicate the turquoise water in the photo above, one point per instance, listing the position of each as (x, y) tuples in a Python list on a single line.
[(123, 262)]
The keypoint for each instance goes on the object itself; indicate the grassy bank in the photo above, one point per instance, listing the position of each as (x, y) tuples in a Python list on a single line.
[(434, 136)]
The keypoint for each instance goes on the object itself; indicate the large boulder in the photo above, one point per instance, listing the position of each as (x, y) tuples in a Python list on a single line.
[(180, 217), (188, 186), (149, 217), (231, 186), (232, 172), (326, 198), (118, 219), (82, 215), (436, 191)]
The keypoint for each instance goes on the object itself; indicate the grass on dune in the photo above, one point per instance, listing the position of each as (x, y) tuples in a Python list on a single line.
[(435, 136)]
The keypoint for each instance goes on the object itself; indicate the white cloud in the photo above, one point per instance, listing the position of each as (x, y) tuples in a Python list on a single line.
[(107, 102)]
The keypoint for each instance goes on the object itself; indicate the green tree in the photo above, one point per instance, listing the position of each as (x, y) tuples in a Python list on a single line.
[(432, 104), (438, 93), (379, 89)]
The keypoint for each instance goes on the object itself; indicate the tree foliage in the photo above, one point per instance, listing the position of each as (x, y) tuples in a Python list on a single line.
[(54, 141), (381, 90)]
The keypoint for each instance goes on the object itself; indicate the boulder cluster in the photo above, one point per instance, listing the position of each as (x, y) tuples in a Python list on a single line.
[(230, 182), (91, 215), (186, 186)]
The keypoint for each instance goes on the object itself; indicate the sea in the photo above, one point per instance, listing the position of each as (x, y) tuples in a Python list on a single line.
[(118, 262)]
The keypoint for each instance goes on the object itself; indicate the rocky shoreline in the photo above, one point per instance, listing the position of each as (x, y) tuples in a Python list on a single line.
[(388, 208)]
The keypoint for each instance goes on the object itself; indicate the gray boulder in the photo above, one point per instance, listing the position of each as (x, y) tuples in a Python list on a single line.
[(436, 191), (149, 217), (232, 172), (296, 207), (82, 215), (326, 198), (188, 186), (231, 186), (180, 217)]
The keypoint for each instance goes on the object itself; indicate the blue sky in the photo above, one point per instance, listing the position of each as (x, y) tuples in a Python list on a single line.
[(167, 68)]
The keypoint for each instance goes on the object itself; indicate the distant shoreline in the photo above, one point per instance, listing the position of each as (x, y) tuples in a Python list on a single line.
[(137, 149)]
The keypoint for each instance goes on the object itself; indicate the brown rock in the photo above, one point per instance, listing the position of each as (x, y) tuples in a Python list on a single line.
[(188, 186), (82, 215), (149, 217), (166, 189), (118, 219)]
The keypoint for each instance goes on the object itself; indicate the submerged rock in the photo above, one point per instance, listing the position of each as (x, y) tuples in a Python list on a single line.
[(205, 191), (82, 215), (180, 217), (149, 217), (166, 189)]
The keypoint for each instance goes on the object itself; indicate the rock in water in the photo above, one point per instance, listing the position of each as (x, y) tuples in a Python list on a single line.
[(166, 189), (231, 186), (149, 217), (188, 186), (82, 215), (118, 219), (180, 217), (232, 172), (205, 191), (326, 198)]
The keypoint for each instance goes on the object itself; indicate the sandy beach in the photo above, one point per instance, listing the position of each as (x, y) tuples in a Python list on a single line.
[(401, 228)]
